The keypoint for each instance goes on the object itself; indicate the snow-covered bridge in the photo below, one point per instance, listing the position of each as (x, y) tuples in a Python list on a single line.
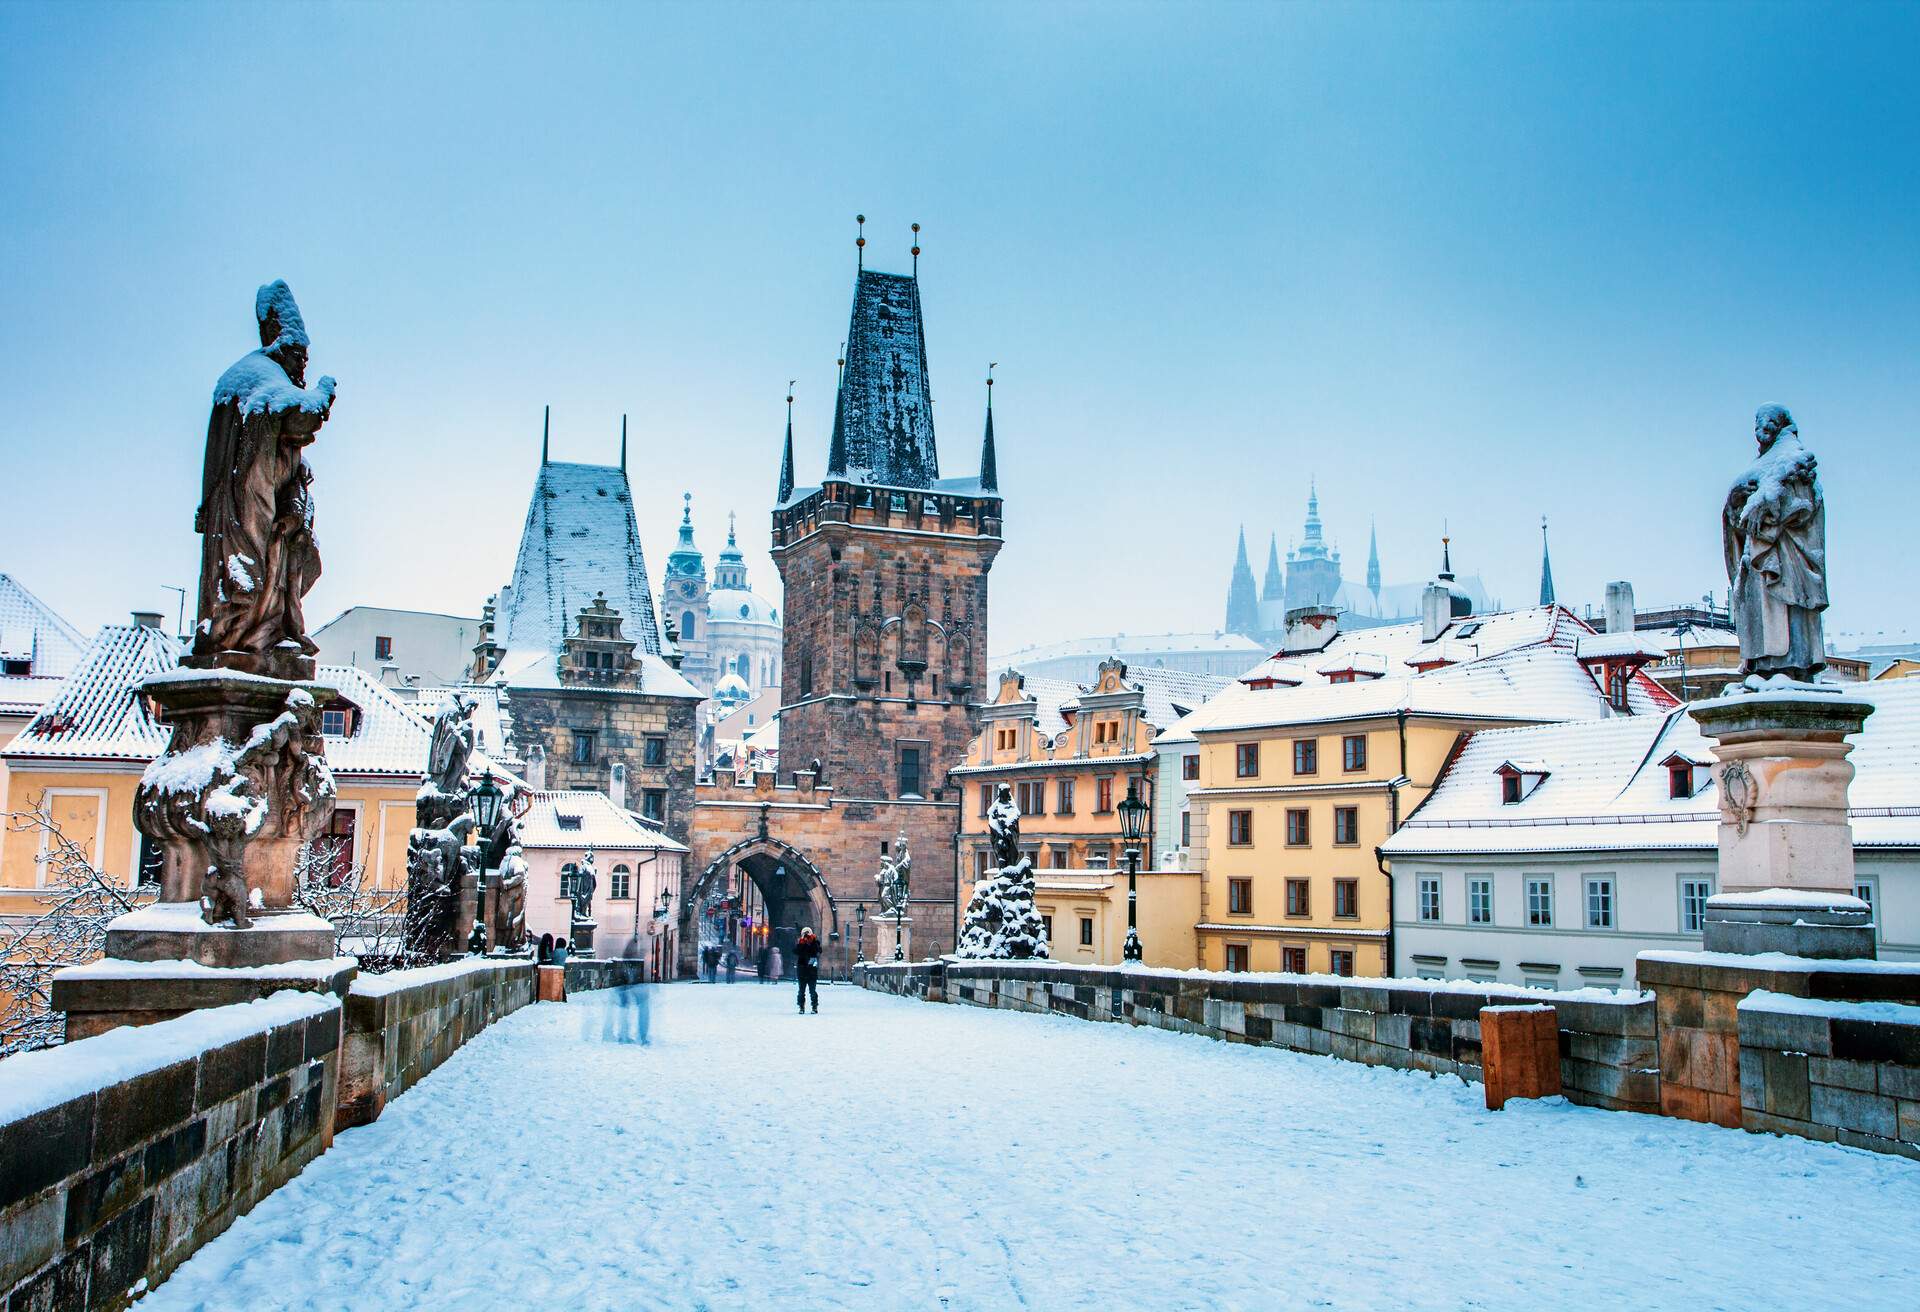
[(895, 1154)]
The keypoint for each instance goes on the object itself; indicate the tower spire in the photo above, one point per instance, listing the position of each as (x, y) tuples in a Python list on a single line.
[(1243, 605), (989, 462), (1546, 567), (1273, 587), (860, 244), (916, 250), (1373, 563), (546, 429), (786, 457), (623, 444)]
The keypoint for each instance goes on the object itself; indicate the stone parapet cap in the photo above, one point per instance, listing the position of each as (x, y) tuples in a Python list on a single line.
[(1807, 712), (114, 985), (1801, 977)]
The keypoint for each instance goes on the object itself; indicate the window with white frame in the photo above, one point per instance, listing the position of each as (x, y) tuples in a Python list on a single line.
[(1430, 897), (1694, 893), (1540, 901), (1480, 900), (621, 884), (1600, 902)]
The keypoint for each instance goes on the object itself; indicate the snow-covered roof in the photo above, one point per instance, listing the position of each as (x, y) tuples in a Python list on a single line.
[(1607, 785), (390, 737), (1132, 646), (580, 540), (30, 631), (96, 713), (883, 416), (575, 818), (1605, 646), (1167, 696), (1511, 665), (536, 668), (24, 694)]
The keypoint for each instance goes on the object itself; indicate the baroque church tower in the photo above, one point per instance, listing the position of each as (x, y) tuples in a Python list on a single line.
[(885, 571), (684, 597)]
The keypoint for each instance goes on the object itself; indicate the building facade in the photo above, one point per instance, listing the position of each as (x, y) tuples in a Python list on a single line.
[(1554, 855), (574, 645), (1311, 762), (883, 566), (1069, 753), (637, 874), (401, 648), (722, 626)]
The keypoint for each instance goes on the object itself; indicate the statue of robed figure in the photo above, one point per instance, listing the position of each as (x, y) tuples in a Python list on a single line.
[(258, 556), (1774, 530)]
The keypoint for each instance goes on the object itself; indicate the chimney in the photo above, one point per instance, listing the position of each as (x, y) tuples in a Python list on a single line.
[(1436, 611), (617, 785), (147, 619), (1620, 607)]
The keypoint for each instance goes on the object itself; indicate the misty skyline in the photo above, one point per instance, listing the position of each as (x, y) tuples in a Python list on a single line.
[(1459, 265)]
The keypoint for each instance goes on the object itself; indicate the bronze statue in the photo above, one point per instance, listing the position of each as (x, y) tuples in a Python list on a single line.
[(1774, 530), (452, 745), (258, 556), (585, 881), (895, 879)]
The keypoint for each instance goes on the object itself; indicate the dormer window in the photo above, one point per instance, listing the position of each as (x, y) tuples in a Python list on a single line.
[(333, 723), (1685, 776), (570, 822), (1519, 779)]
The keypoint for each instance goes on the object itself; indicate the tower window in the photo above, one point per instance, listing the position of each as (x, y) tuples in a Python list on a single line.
[(686, 626)]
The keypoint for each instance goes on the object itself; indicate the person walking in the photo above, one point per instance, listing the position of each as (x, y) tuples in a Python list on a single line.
[(776, 965), (806, 960)]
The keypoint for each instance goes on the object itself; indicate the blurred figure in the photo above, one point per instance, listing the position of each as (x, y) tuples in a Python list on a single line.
[(775, 964), (625, 1015), (806, 959), (733, 960)]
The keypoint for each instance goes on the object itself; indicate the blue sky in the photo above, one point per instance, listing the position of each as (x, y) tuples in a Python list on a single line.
[(1468, 264)]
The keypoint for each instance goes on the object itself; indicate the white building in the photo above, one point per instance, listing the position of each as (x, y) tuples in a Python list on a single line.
[(1555, 854), (400, 647)]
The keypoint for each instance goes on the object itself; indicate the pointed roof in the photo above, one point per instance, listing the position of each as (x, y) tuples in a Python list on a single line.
[(989, 461), (1313, 545), (786, 458), (1373, 562), (883, 415), (1546, 567), (686, 560), (1273, 587), (580, 539), (730, 570), (97, 713), (1243, 606)]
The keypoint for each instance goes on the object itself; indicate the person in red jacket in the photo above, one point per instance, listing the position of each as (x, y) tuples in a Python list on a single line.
[(806, 958)]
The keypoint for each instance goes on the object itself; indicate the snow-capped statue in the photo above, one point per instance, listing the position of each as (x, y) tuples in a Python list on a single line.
[(1002, 921), (895, 879), (585, 880), (1774, 529), (452, 745), (258, 556)]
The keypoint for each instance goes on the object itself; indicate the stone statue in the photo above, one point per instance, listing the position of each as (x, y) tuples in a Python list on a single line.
[(452, 745), (895, 879), (1003, 828), (258, 556), (1774, 530), (585, 881)]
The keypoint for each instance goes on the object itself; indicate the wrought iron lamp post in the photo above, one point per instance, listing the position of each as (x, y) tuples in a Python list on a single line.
[(860, 921), (1133, 823)]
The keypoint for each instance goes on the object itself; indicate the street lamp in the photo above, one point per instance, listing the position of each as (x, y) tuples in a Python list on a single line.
[(860, 919), (486, 803), (1133, 823)]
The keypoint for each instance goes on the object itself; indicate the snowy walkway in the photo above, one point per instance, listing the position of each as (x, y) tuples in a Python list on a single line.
[(901, 1155)]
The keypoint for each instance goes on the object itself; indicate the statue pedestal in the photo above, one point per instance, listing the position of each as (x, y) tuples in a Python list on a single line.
[(893, 936), (580, 938), (175, 931), (1786, 847)]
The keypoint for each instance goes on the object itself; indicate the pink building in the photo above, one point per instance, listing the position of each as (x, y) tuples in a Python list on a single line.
[(636, 872)]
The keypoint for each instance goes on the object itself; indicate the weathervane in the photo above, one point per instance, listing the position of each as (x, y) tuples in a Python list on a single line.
[(916, 250), (860, 242)]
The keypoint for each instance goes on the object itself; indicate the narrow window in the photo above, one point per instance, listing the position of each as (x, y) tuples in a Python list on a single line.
[(1693, 904), (806, 676), (1186, 829), (1063, 796), (909, 772), (1342, 961), (1306, 756), (1599, 904), (1509, 789), (1540, 901), (1086, 932), (1346, 898), (1237, 958), (583, 747), (1246, 761), (1680, 780), (383, 648), (653, 805), (1240, 896), (1346, 824), (1480, 900), (1046, 927), (1353, 752), (1293, 960), (1103, 794), (1298, 903), (654, 751), (1190, 766), (620, 886), (1430, 897), (1298, 834), (1239, 828)]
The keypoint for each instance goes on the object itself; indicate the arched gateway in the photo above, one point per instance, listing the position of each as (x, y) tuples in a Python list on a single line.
[(791, 886)]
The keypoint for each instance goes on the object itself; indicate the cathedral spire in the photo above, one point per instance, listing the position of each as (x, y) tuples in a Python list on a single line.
[(1373, 564), (1273, 587), (1243, 606), (786, 456), (989, 463), (1546, 567)]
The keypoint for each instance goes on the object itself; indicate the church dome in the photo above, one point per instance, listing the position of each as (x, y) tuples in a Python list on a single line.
[(732, 690), (738, 606)]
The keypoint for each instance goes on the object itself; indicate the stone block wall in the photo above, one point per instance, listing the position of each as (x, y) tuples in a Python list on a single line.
[(122, 1154), (584, 975), (401, 1025), (1842, 1072), (621, 722), (1606, 1043)]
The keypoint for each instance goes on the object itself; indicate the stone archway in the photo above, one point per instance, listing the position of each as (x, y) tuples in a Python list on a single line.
[(792, 887)]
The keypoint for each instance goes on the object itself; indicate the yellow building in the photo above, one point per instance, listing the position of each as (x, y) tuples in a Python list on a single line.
[(1317, 755), (1904, 668), (78, 763), (38, 650), (1068, 753)]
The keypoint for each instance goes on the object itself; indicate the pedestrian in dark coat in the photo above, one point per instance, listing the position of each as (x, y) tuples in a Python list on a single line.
[(806, 960)]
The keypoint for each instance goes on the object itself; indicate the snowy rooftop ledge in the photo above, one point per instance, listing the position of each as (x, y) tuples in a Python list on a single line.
[(1488, 989), (1895, 1013), (398, 981), (32, 1082)]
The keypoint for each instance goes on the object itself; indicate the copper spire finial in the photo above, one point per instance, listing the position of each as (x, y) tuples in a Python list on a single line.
[(916, 250), (860, 242)]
